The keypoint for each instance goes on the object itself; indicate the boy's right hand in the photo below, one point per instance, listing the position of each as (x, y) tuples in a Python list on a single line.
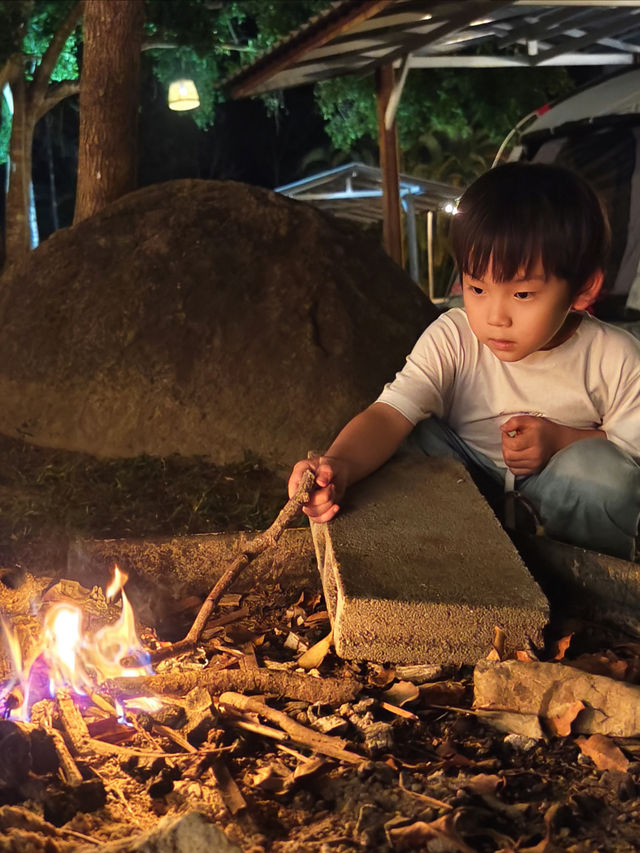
[(331, 480)]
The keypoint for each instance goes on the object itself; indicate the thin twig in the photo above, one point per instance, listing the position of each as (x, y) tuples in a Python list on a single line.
[(299, 734), (252, 549)]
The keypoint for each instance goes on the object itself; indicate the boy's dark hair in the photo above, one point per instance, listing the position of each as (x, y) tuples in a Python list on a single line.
[(519, 213)]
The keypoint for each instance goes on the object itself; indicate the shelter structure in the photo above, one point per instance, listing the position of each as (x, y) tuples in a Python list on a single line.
[(354, 191), (388, 37)]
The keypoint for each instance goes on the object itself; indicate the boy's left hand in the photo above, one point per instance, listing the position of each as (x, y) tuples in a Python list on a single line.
[(529, 442)]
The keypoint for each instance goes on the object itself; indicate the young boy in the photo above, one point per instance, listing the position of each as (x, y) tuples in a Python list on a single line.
[(521, 385)]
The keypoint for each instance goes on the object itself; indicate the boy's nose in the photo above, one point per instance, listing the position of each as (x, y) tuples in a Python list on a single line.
[(498, 314)]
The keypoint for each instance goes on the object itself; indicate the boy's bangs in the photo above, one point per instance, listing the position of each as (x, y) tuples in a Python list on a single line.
[(505, 254)]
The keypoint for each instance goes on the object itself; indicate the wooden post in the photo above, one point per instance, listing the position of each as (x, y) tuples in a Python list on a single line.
[(388, 142)]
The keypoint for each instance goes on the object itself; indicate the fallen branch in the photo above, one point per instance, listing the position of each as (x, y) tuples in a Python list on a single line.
[(251, 550), (332, 746), (289, 685)]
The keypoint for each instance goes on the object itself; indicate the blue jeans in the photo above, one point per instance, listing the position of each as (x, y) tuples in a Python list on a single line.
[(587, 495)]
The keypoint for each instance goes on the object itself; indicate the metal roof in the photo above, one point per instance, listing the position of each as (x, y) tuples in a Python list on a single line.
[(356, 36), (354, 191)]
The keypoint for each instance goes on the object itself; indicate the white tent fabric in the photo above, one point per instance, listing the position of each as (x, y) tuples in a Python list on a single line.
[(618, 95), (597, 132)]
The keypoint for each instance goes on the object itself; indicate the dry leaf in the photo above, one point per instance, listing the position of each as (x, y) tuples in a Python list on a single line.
[(267, 779), (561, 647), (560, 725), (499, 642), (484, 783), (418, 833), (603, 752), (381, 676), (607, 664), (320, 616), (442, 693), (524, 655), (312, 658), (447, 751), (401, 693), (307, 770)]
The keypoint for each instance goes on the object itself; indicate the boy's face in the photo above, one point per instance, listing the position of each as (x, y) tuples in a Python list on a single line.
[(516, 318)]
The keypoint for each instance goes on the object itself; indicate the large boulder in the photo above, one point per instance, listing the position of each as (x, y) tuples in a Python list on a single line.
[(201, 317)]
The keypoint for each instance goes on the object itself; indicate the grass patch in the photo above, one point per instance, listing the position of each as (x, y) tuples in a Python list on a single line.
[(46, 492)]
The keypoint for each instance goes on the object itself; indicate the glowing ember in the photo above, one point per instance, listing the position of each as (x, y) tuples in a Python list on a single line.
[(72, 658)]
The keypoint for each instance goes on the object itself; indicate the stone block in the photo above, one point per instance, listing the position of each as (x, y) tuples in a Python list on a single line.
[(417, 568)]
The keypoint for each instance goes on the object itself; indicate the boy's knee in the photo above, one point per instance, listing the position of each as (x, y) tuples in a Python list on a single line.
[(599, 464)]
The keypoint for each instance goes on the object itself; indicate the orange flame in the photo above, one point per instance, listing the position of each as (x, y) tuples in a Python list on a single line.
[(73, 658)]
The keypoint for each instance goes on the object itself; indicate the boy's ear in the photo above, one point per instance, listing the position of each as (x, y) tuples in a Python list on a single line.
[(589, 292)]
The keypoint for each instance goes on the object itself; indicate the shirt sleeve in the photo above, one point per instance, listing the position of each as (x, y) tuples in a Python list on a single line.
[(621, 421), (423, 387)]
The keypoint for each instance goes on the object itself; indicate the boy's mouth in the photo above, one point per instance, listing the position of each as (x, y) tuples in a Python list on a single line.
[(501, 344)]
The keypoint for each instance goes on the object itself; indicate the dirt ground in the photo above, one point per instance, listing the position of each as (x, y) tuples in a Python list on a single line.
[(430, 773)]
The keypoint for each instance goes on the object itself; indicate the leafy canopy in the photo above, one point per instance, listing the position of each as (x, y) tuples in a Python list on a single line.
[(440, 109), (210, 42), (26, 30)]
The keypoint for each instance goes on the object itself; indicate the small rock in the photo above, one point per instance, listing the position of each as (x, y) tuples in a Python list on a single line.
[(190, 833), (521, 742), (331, 725)]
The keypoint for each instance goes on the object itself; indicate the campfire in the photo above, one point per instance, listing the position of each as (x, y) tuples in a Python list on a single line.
[(71, 659), (249, 734)]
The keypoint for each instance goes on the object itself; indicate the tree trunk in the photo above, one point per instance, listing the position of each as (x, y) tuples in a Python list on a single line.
[(109, 97), (17, 233)]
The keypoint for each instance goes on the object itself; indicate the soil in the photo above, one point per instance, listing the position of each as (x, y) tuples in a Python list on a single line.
[(433, 775)]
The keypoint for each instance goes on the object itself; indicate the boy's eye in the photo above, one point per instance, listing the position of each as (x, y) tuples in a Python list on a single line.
[(523, 294), (474, 289)]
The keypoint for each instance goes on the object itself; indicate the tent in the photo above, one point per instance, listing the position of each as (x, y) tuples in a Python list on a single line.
[(596, 132)]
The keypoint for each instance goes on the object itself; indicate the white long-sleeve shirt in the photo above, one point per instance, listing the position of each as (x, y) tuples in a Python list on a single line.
[(591, 381)]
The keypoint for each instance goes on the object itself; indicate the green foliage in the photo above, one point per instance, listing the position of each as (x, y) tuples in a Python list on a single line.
[(273, 20), (450, 122), (212, 42), (39, 30), (348, 107), (5, 129), (27, 28)]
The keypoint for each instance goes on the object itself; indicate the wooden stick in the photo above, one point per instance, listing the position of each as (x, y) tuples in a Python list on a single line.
[(252, 549), (303, 736), (69, 769), (290, 685), (73, 722)]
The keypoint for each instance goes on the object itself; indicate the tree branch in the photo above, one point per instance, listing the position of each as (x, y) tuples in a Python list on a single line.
[(44, 70), (10, 70), (55, 94)]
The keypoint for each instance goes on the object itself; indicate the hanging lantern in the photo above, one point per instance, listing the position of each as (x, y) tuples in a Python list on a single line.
[(183, 95)]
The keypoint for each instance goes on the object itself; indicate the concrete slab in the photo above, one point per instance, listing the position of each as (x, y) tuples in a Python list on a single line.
[(417, 568)]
